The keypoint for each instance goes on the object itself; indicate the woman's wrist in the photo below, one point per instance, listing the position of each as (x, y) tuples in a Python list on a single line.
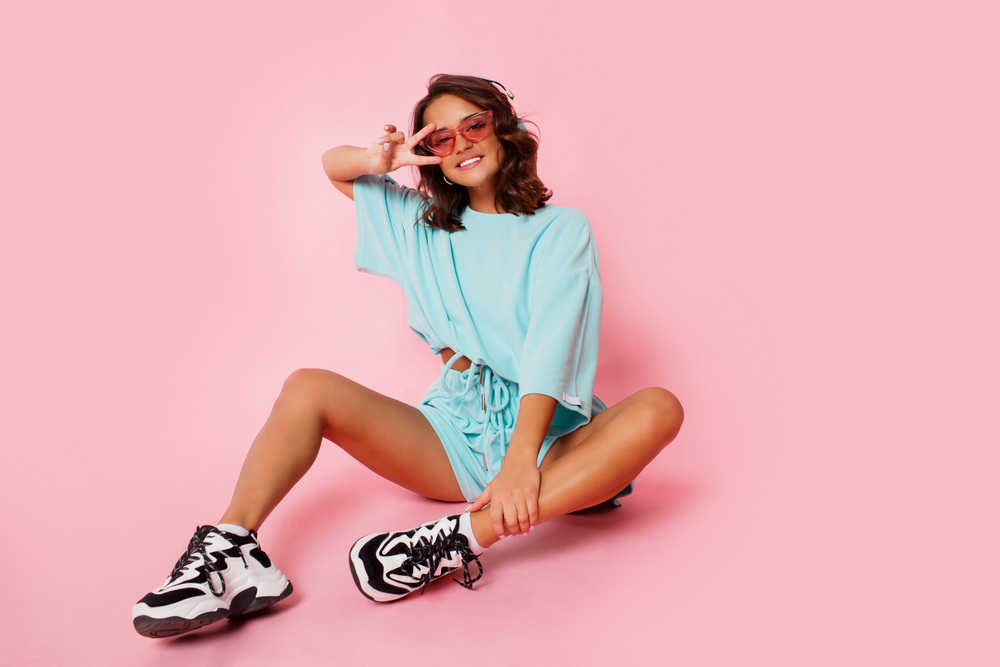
[(518, 456), (533, 421)]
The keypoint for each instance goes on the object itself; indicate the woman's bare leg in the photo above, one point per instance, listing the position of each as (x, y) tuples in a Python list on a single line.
[(389, 437), (596, 461)]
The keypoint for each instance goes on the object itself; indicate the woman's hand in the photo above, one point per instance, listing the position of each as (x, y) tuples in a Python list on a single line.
[(513, 498), (392, 151)]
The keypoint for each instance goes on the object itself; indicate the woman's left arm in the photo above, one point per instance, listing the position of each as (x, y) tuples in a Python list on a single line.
[(513, 493)]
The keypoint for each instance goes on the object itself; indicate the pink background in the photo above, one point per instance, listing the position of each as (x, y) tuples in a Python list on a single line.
[(796, 206)]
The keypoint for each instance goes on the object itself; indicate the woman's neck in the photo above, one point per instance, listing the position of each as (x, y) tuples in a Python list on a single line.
[(483, 198)]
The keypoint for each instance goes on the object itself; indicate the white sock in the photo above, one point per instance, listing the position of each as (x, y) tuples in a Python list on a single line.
[(233, 528), (465, 528)]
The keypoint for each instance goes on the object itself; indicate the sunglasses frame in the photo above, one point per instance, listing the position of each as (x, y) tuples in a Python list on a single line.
[(425, 143)]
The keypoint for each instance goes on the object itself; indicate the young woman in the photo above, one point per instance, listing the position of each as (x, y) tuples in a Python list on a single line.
[(506, 288)]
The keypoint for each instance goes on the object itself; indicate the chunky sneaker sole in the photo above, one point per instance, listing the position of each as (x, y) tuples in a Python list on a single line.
[(185, 619), (219, 576), (390, 566)]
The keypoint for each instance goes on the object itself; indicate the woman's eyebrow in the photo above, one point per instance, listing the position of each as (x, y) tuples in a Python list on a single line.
[(462, 120)]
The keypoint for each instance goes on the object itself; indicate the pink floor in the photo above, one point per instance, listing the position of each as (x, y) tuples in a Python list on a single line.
[(796, 209)]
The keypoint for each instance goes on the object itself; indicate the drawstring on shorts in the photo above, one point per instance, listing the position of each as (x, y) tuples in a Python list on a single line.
[(495, 400)]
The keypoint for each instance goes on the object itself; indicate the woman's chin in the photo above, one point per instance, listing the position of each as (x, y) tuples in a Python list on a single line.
[(471, 180)]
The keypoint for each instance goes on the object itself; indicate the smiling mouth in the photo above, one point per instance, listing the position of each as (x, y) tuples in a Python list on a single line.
[(471, 162)]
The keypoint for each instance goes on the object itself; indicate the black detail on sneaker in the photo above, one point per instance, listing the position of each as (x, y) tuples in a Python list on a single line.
[(260, 556), (373, 568), (261, 602), (627, 491), (196, 547), (170, 597), (213, 579), (239, 604), (174, 625), (389, 566), (430, 556)]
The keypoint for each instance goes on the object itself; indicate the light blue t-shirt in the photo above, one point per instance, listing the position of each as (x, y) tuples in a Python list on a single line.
[(518, 293)]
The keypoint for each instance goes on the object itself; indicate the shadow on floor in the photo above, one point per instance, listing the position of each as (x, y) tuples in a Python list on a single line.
[(651, 507)]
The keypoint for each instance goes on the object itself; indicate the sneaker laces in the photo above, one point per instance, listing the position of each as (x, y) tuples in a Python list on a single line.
[(195, 548), (430, 554)]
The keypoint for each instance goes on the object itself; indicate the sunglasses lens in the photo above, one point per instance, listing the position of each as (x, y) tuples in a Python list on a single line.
[(475, 128), (439, 143)]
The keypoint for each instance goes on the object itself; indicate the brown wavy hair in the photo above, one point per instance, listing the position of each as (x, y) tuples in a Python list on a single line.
[(519, 191)]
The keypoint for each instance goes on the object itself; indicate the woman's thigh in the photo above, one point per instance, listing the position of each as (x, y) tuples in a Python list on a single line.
[(389, 437), (654, 397), (569, 442)]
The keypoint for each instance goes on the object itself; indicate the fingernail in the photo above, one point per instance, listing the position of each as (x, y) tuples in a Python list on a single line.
[(502, 536), (467, 508), (386, 147), (380, 140), (386, 128)]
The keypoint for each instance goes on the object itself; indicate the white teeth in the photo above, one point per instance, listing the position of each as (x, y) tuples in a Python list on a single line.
[(469, 161)]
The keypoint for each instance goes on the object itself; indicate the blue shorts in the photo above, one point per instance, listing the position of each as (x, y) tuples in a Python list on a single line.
[(474, 412)]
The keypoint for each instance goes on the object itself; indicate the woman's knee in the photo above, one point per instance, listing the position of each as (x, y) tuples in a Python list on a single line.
[(305, 387), (661, 412), (305, 380)]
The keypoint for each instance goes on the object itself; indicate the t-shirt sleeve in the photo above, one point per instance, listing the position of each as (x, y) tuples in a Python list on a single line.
[(559, 357), (386, 212)]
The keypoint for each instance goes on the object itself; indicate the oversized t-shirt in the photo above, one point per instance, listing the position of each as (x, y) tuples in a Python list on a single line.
[(518, 293)]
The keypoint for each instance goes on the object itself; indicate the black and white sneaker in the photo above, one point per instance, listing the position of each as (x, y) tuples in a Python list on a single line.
[(388, 566), (219, 575)]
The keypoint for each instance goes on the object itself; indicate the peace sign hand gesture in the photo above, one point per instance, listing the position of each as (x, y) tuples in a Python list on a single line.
[(392, 150)]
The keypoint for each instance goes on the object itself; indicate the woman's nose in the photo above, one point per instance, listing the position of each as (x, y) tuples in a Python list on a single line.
[(461, 143)]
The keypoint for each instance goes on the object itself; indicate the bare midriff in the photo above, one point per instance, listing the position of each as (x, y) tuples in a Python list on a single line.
[(461, 364)]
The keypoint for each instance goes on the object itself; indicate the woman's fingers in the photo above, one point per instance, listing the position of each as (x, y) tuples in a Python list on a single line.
[(391, 137), (389, 131), (419, 160), (524, 523), (510, 518), (424, 131), (481, 501), (385, 158), (496, 520), (390, 158)]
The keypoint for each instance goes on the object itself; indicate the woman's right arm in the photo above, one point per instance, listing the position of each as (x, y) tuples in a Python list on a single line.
[(343, 164), (389, 152)]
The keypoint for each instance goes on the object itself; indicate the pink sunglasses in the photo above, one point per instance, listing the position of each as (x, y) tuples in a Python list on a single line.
[(475, 128)]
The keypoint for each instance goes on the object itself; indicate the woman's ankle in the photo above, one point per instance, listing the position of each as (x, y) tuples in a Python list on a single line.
[(482, 528)]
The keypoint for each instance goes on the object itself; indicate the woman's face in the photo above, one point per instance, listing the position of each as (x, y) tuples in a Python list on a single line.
[(470, 164)]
